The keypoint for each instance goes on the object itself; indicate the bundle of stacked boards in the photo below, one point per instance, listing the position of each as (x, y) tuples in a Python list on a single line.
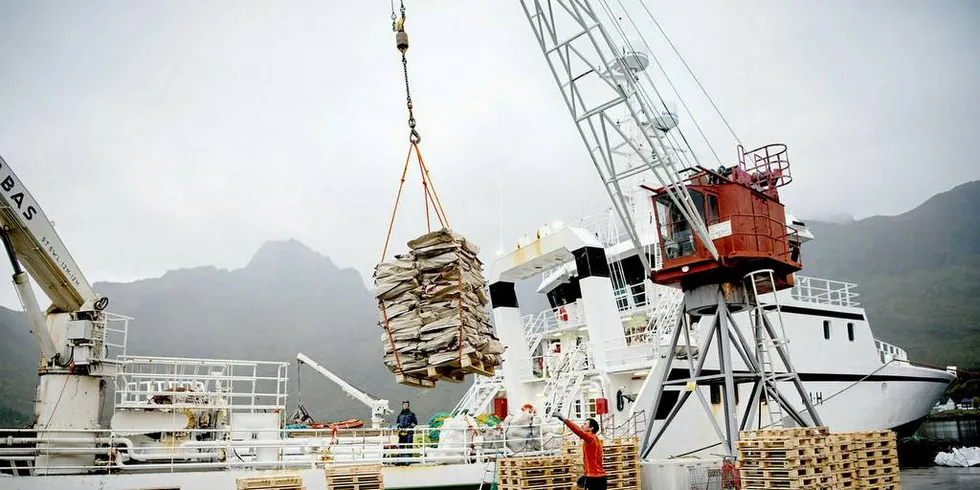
[(536, 473), (272, 482), (620, 459), (813, 458), (354, 477)]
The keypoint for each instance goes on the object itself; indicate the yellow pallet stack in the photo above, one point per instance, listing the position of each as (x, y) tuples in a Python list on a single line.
[(354, 477), (875, 460), (276, 482), (792, 459), (620, 458), (535, 473)]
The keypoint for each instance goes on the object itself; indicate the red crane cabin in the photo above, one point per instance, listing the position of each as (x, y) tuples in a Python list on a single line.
[(747, 223)]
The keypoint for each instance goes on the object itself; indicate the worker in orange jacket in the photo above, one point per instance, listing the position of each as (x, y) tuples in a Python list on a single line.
[(595, 474)]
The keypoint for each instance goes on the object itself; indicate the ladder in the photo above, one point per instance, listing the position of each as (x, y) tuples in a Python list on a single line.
[(564, 384), (764, 343), (489, 470)]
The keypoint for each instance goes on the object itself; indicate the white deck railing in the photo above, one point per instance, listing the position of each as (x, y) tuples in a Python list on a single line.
[(824, 291), (148, 382), (888, 352), (118, 451)]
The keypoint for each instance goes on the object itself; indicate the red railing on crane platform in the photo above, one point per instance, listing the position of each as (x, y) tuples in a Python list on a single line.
[(764, 168)]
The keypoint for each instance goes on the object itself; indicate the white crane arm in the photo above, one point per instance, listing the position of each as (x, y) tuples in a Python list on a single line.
[(39, 248), (378, 407)]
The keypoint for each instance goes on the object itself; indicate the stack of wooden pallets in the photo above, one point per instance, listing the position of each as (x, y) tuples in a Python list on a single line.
[(354, 477), (812, 458), (535, 473), (875, 460), (620, 459), (786, 459), (276, 482), (842, 463)]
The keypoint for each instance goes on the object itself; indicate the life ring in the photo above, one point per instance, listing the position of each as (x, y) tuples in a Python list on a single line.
[(562, 314)]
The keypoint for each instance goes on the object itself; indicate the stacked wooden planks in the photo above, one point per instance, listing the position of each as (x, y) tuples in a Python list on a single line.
[(354, 477), (786, 459), (274, 482), (620, 459), (536, 473)]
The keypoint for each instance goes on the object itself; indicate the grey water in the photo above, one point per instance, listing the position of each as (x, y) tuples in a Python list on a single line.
[(967, 432)]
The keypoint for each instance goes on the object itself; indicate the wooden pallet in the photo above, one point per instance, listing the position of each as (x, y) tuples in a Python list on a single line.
[(415, 380), (536, 473), (354, 476), (269, 482)]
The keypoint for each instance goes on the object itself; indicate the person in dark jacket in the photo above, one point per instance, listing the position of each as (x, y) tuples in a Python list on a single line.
[(405, 423)]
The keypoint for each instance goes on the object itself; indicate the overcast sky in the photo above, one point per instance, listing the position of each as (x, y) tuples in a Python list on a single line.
[(172, 134)]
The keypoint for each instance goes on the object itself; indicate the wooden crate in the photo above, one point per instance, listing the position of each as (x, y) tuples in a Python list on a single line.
[(276, 482), (354, 477)]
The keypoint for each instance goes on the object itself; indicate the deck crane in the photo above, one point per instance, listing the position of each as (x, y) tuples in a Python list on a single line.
[(723, 254), (379, 408), (77, 339)]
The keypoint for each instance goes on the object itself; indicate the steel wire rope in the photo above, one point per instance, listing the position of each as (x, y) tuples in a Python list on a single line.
[(689, 70), (676, 189)]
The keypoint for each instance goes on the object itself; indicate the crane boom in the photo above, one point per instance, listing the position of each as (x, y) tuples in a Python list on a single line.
[(39, 248), (379, 408), (599, 84)]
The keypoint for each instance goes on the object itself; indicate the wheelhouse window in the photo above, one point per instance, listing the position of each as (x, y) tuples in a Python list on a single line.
[(678, 237), (850, 332), (712, 215), (826, 329)]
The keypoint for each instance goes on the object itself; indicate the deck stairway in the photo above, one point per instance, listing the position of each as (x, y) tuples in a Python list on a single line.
[(563, 386)]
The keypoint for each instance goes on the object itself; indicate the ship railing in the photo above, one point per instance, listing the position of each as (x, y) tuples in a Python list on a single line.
[(824, 291), (186, 383), (889, 353), (120, 451), (113, 335)]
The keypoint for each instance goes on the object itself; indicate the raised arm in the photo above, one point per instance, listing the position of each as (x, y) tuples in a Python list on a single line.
[(585, 435)]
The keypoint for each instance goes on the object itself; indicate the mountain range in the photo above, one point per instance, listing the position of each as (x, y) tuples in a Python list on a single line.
[(917, 274)]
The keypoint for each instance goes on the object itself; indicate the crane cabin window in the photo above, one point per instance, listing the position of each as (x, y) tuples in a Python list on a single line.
[(826, 329), (678, 237), (850, 332)]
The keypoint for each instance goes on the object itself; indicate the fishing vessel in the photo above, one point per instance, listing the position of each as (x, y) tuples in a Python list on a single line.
[(669, 325)]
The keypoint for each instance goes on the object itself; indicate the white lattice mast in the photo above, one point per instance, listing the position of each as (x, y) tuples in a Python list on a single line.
[(598, 83)]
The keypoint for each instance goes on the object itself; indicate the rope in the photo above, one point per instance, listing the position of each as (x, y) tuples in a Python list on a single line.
[(689, 70), (391, 223), (459, 277)]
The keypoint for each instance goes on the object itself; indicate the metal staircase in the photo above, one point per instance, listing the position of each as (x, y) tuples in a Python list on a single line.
[(564, 384), (667, 314), (534, 327), (477, 398)]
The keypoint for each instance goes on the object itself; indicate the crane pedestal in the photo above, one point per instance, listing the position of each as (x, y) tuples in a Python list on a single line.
[(741, 359)]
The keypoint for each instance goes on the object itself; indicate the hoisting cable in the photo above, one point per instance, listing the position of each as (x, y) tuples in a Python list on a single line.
[(401, 42), (429, 194)]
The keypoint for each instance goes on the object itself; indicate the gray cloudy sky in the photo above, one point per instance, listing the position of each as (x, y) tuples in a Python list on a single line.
[(170, 134)]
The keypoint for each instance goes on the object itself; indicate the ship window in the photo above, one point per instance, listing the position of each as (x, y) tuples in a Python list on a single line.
[(850, 332), (715, 394), (712, 213), (826, 329)]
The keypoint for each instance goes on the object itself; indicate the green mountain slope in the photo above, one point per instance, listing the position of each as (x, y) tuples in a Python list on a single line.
[(288, 299), (918, 274)]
